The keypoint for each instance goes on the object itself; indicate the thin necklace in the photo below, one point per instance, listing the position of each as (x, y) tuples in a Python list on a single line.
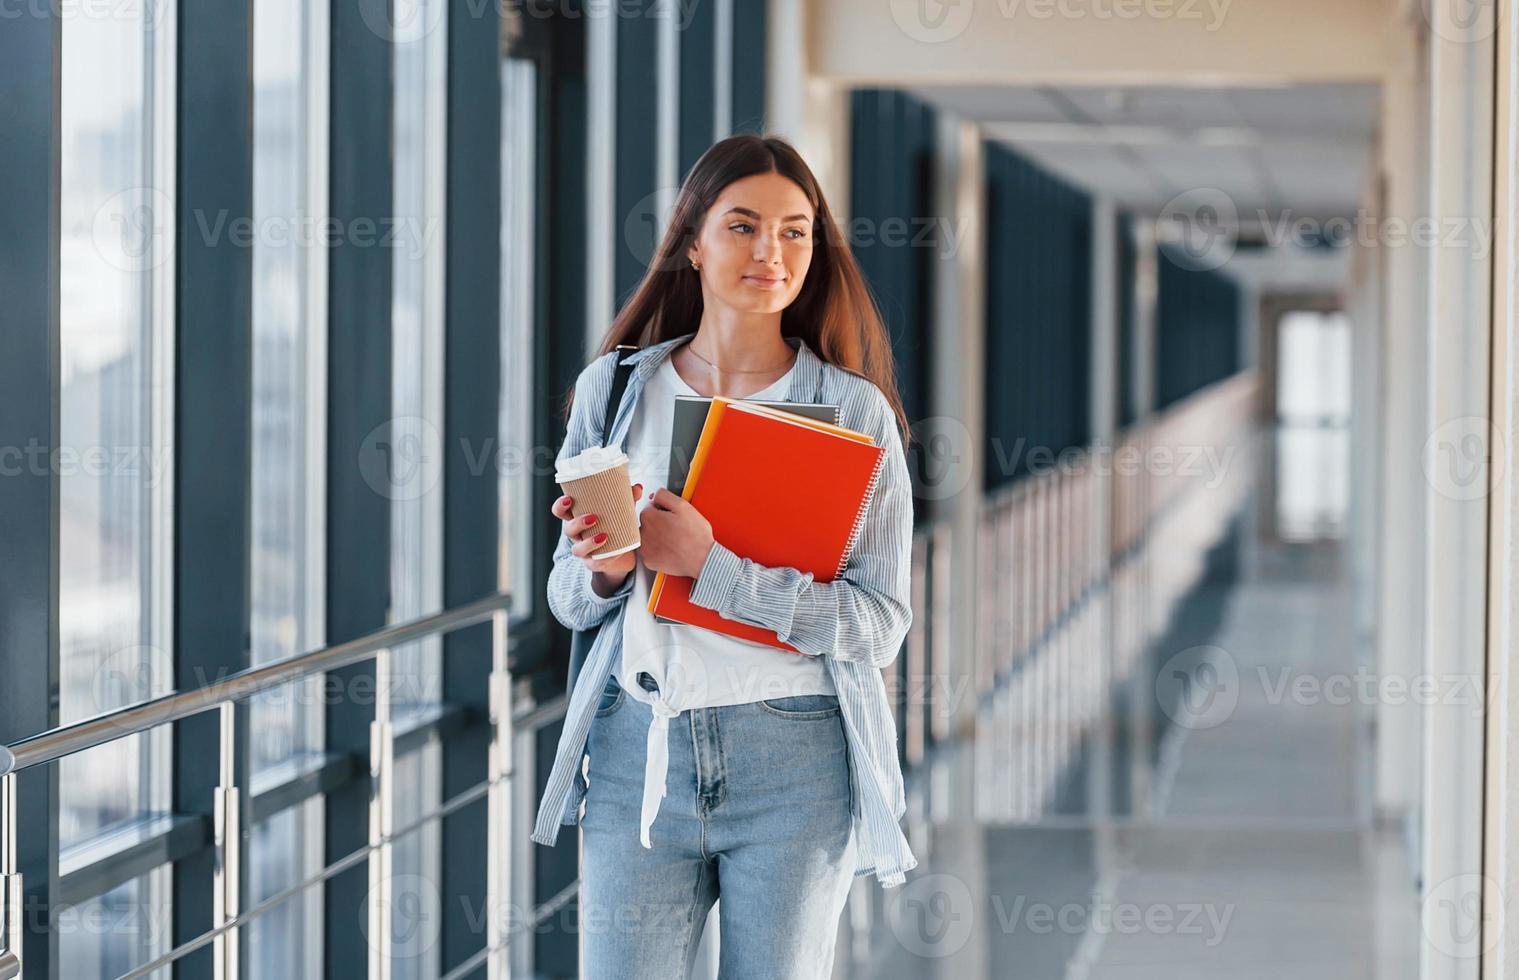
[(692, 348)]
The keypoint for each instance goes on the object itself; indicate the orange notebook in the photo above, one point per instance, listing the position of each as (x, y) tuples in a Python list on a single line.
[(780, 490)]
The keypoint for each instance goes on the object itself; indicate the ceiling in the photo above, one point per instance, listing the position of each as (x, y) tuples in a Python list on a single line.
[(1299, 151)]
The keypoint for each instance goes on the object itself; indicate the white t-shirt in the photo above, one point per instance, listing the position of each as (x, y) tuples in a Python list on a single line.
[(693, 667)]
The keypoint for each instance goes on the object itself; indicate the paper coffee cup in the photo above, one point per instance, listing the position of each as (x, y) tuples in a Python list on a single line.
[(597, 482)]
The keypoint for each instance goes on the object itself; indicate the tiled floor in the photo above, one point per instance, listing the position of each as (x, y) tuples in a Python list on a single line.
[(1247, 852)]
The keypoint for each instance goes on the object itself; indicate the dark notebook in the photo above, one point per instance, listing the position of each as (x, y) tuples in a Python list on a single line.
[(691, 415), (685, 433)]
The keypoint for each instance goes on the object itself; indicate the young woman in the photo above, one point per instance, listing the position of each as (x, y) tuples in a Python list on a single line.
[(720, 767)]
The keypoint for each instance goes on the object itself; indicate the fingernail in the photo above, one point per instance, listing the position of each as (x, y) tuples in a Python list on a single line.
[(601, 537), (590, 519)]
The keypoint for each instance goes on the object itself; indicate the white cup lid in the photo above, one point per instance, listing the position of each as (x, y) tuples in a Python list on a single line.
[(589, 462)]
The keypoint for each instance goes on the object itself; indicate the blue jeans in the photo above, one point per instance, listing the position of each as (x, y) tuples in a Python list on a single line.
[(758, 812)]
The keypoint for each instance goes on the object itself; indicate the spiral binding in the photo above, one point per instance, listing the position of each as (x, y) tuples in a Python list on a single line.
[(859, 518)]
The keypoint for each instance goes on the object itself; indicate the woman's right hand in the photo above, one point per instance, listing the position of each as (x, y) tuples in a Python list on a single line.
[(607, 574)]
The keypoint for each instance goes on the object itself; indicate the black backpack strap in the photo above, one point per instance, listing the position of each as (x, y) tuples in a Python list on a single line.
[(614, 396)]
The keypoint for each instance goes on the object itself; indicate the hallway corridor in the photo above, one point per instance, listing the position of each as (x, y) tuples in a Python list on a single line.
[(1248, 851)]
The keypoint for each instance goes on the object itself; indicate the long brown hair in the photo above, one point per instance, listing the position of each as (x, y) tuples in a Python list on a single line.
[(833, 313)]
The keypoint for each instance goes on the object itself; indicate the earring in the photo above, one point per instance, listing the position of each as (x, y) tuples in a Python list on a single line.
[(696, 265)]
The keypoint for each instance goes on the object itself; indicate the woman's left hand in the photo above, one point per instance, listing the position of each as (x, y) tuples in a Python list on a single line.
[(675, 537)]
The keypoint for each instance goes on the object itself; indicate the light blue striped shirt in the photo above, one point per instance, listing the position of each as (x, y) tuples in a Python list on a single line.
[(858, 621)]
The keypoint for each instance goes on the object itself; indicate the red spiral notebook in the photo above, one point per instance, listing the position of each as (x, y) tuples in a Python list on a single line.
[(778, 489)]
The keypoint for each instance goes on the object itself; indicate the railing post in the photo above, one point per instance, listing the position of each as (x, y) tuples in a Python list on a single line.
[(498, 881), (381, 819), (10, 870), (227, 821)]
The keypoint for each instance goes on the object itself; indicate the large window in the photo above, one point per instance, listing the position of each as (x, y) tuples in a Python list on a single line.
[(519, 127), (1313, 425), (115, 461), (287, 559), (415, 440)]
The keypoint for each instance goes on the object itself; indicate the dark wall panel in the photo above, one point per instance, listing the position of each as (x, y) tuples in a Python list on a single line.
[(892, 229), (213, 421), (698, 63), (29, 365), (472, 390), (1128, 308), (1038, 316), (542, 647), (635, 212), (358, 402), (1197, 323), (750, 26)]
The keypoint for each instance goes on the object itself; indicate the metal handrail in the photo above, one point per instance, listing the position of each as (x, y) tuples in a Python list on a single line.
[(230, 842), (66, 740)]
